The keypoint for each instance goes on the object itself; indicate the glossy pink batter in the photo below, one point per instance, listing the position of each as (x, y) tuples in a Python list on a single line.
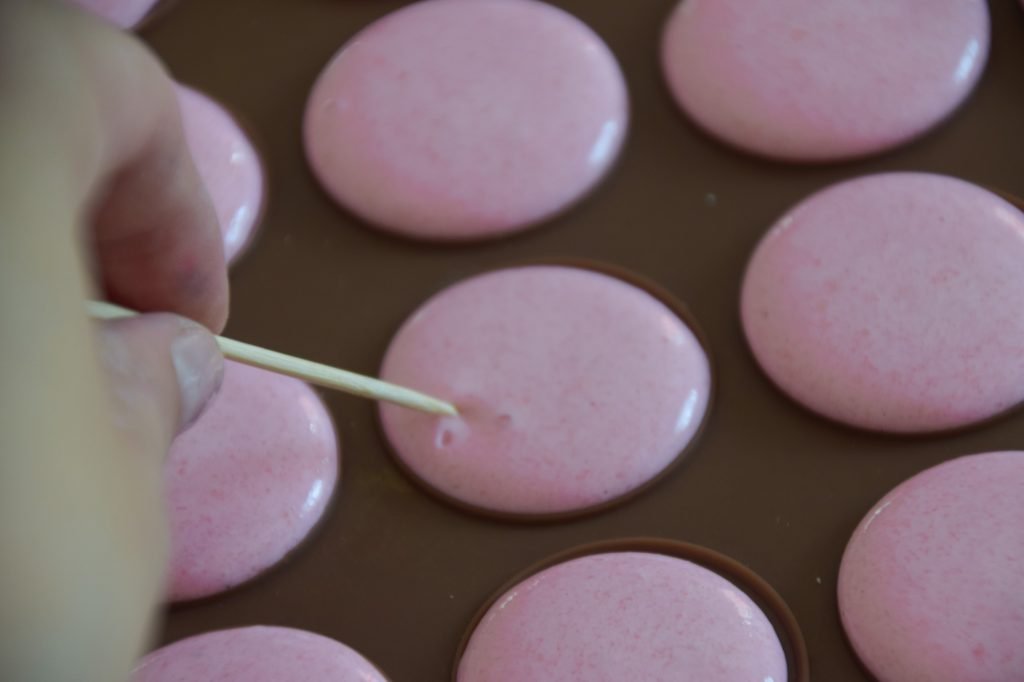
[(817, 80), (248, 481), (228, 165), (893, 302), (256, 654), (624, 616), (932, 583), (462, 119), (123, 13), (574, 389)]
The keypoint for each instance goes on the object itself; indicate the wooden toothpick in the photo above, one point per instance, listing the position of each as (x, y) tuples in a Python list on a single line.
[(313, 372)]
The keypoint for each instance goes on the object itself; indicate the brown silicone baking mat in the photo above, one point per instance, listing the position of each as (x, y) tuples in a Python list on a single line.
[(397, 574)]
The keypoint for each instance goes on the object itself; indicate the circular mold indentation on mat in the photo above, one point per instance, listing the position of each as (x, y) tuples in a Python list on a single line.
[(634, 609), (256, 654), (466, 119), (931, 586), (247, 483), (893, 302), (575, 389), (822, 80)]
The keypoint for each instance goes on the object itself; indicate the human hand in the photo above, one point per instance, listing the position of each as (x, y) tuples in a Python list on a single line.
[(97, 191)]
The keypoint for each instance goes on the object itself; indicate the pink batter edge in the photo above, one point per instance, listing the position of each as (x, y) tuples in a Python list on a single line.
[(823, 80), (624, 616), (931, 586), (575, 389), (256, 654), (893, 303), (247, 482), (228, 165), (122, 13), (466, 119)]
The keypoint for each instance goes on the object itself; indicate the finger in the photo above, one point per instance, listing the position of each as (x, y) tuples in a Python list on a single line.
[(81, 521), (162, 370), (156, 240)]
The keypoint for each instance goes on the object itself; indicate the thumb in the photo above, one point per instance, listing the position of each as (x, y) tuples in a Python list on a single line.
[(162, 370)]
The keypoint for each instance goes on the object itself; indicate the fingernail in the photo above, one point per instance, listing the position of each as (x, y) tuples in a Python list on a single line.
[(200, 366)]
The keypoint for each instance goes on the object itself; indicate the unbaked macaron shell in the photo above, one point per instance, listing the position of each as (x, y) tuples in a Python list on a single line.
[(575, 388), (893, 302), (256, 654), (821, 80), (624, 616), (228, 165), (247, 482), (931, 586), (122, 13), (466, 119)]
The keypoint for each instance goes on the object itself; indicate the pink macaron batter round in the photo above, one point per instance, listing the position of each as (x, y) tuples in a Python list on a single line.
[(931, 586), (248, 481), (820, 80), (893, 302), (123, 13), (256, 654), (228, 165), (574, 388), (464, 119), (624, 616)]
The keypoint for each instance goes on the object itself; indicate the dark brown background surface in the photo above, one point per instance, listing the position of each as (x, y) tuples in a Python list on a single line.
[(396, 574)]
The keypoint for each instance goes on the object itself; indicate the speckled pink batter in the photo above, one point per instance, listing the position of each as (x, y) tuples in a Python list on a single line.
[(932, 583), (574, 388), (247, 482), (460, 119), (893, 302), (228, 165), (815, 80), (624, 616), (123, 13), (256, 654)]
